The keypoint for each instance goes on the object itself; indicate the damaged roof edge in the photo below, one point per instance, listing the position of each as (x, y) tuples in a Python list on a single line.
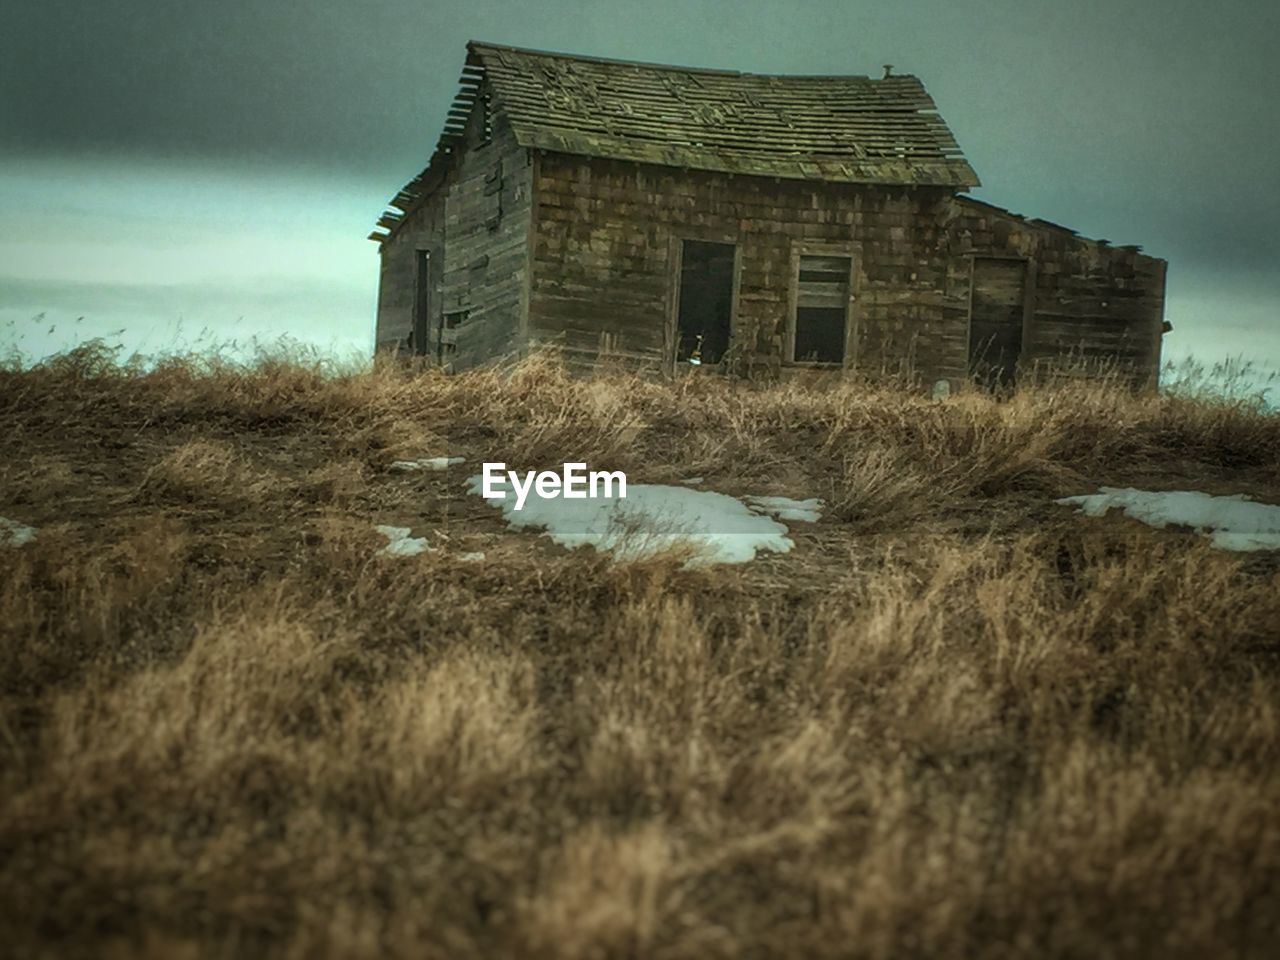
[(965, 199), (419, 189)]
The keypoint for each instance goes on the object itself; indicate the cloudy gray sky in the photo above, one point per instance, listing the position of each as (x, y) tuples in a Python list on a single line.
[(221, 164)]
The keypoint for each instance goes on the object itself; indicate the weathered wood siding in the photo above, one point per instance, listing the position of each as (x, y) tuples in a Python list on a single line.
[(423, 229), (603, 277), (476, 226), (1089, 301), (997, 316)]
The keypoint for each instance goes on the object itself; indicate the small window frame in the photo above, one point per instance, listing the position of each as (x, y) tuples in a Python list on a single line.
[(799, 250)]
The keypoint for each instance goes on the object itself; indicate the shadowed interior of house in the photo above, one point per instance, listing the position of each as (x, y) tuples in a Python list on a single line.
[(706, 301)]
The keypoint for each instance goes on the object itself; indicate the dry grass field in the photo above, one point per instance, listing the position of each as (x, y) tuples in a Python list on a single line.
[(956, 720)]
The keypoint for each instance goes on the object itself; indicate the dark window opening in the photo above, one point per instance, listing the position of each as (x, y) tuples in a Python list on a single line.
[(706, 301), (421, 301), (822, 309), (840, 277), (995, 321), (820, 334)]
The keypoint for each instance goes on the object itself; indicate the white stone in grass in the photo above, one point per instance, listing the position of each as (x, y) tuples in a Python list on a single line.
[(428, 463), (400, 544), (1231, 523), (785, 508), (14, 534)]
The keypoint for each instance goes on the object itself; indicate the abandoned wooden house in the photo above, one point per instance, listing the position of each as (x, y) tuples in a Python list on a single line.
[(679, 218)]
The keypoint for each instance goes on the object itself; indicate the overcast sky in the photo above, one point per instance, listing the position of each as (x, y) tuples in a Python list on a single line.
[(222, 163)]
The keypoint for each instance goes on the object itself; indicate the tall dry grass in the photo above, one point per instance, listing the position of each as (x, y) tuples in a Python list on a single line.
[(955, 721)]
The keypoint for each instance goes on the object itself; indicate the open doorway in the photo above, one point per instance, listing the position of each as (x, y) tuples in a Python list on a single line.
[(997, 307), (705, 310), (421, 301)]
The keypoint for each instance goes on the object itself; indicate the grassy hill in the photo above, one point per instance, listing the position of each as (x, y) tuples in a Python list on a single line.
[(956, 719)]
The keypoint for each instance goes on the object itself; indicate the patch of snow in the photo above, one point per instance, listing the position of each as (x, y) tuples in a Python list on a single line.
[(400, 544), (785, 508), (15, 534), (650, 519), (429, 463), (1231, 540), (1231, 523), (691, 481)]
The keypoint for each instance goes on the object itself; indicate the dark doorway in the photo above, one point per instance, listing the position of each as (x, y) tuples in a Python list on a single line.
[(706, 301), (996, 308), (421, 301)]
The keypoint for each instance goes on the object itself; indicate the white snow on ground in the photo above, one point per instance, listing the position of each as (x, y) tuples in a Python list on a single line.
[(652, 518), (430, 463), (1232, 523), (400, 544), (784, 508), (14, 534)]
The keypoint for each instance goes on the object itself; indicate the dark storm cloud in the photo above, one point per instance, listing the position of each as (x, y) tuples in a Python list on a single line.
[(313, 82), (1151, 121)]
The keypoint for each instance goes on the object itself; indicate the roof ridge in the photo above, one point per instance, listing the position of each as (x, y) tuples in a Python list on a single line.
[(472, 46)]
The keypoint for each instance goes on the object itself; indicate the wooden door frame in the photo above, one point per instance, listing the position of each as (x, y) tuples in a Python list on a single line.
[(675, 266), (1028, 308)]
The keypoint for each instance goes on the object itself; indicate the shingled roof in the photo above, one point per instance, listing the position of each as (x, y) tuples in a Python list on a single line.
[(850, 129)]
